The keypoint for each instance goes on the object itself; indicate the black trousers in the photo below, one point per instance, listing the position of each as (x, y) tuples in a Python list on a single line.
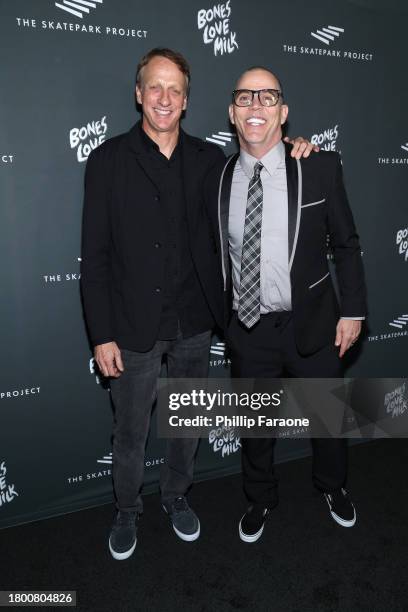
[(133, 395), (268, 350)]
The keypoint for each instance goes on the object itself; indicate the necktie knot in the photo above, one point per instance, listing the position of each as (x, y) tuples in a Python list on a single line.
[(257, 169)]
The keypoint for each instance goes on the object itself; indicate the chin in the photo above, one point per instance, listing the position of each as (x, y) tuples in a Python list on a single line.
[(253, 140), (163, 126), (254, 136)]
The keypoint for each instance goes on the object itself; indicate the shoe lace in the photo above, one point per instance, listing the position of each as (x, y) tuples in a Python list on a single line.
[(126, 518), (180, 504), (258, 511), (338, 496)]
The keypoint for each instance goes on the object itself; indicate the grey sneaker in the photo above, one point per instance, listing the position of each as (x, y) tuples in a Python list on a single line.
[(185, 521), (122, 539)]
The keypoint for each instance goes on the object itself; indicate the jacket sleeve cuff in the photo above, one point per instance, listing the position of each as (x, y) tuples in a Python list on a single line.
[(97, 341)]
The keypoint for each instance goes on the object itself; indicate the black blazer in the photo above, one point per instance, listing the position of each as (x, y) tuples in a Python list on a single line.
[(318, 207), (123, 264)]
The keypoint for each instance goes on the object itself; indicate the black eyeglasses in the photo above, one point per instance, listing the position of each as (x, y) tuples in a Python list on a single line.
[(266, 97)]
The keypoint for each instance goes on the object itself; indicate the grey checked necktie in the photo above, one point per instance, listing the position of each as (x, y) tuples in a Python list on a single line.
[(249, 290)]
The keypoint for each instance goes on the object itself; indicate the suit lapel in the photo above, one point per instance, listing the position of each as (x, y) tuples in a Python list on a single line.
[(294, 182), (224, 194)]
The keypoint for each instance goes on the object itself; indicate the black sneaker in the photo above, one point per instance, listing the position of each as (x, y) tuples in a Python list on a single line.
[(185, 521), (252, 523), (341, 508), (122, 539)]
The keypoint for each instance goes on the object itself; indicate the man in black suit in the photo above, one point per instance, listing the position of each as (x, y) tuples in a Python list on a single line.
[(275, 213), (151, 284)]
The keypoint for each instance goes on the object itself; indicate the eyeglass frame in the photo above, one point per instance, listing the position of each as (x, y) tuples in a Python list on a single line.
[(257, 91)]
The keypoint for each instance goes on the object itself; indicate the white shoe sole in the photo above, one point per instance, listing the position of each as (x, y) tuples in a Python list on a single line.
[(188, 537), (250, 538), (341, 521), (124, 555)]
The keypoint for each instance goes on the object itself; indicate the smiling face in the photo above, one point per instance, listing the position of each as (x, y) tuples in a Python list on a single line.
[(259, 128), (162, 92)]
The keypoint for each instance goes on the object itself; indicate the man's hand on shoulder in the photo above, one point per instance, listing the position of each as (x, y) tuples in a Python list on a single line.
[(347, 332), (109, 359), (301, 147)]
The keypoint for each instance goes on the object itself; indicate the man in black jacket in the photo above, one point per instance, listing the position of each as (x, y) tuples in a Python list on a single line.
[(151, 282), (275, 213)]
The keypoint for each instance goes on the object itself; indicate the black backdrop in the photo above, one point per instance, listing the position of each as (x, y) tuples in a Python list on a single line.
[(67, 83)]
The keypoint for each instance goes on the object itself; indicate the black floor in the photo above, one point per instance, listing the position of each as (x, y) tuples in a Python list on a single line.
[(304, 561)]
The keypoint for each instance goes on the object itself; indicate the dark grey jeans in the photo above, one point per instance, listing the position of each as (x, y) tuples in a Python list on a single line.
[(133, 395)]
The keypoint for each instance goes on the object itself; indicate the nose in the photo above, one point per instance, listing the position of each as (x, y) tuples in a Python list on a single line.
[(164, 98), (255, 101)]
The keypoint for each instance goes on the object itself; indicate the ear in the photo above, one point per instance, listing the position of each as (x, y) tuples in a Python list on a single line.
[(138, 94), (284, 113), (185, 103), (231, 113)]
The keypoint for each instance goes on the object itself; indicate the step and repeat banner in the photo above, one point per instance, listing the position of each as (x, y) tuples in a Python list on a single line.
[(67, 82)]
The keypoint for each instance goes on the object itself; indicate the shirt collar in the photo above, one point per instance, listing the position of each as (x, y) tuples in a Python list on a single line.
[(270, 160), (150, 145)]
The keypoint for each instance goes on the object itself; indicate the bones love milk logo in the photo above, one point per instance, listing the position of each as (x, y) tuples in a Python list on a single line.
[(395, 402), (87, 138), (7, 490), (214, 23), (402, 242), (224, 440), (327, 139)]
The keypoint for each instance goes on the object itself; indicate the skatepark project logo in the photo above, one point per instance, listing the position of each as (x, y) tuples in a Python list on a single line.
[(402, 242), (87, 138), (221, 138), (327, 139), (395, 402), (78, 7), (5, 395), (7, 159), (7, 490), (60, 277), (93, 370), (396, 160), (224, 440), (400, 323), (100, 473), (329, 36), (215, 25), (218, 349), (148, 462)]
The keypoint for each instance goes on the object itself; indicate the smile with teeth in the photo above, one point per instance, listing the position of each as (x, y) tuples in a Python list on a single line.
[(255, 121), (162, 111)]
